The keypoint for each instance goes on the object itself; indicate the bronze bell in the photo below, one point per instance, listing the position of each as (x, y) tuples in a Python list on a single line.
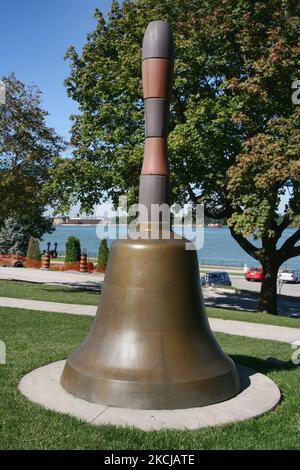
[(151, 346)]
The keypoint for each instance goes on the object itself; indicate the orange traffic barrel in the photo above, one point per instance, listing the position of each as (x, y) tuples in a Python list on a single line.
[(46, 260), (83, 263)]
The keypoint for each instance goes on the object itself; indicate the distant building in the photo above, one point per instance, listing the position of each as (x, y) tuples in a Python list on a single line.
[(61, 219), (214, 225), (65, 219), (80, 221)]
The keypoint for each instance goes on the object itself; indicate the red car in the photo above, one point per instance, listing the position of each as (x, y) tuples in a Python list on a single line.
[(11, 260), (254, 273)]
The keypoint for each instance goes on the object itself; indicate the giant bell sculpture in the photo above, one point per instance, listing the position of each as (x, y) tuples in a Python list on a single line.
[(151, 346)]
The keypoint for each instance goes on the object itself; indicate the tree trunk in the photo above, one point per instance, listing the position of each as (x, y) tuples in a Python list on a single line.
[(268, 293)]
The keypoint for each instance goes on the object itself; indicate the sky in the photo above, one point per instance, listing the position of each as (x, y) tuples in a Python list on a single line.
[(34, 36)]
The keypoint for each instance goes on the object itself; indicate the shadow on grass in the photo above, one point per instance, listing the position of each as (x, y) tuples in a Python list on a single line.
[(73, 289), (264, 366), (77, 287), (249, 301)]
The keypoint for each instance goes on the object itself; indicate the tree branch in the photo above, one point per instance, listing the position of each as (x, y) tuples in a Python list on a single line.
[(295, 251), (290, 242), (283, 225), (251, 249), (194, 199), (180, 105), (215, 215), (288, 249)]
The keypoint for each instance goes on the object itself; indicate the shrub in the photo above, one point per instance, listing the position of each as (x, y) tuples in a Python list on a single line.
[(13, 239), (72, 250), (103, 255), (33, 256), (33, 250)]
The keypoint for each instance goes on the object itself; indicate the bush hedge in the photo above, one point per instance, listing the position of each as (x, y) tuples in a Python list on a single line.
[(73, 250), (103, 255)]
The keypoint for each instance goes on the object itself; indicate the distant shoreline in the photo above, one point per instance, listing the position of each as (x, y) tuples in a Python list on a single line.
[(126, 225), (89, 225)]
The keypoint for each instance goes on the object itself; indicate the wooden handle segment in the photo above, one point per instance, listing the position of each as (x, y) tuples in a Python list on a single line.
[(157, 68)]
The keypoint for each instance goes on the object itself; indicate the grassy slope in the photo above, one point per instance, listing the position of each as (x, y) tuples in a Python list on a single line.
[(35, 338), (28, 290)]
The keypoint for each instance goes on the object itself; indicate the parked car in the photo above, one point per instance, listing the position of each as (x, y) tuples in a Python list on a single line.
[(289, 275), (216, 278), (11, 260), (254, 273)]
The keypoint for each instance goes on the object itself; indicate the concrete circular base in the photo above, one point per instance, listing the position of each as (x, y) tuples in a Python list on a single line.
[(258, 395)]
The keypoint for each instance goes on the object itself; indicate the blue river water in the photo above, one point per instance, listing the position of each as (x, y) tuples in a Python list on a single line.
[(218, 248)]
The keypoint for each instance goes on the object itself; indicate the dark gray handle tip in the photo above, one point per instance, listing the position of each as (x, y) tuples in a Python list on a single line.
[(158, 41)]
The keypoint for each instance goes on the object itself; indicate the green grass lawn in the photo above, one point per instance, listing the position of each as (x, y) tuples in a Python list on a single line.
[(34, 339), (253, 317), (30, 290)]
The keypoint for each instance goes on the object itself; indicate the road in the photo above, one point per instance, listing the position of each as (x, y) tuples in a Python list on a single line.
[(292, 290)]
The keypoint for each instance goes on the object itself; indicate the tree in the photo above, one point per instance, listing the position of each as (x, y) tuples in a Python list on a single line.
[(234, 130), (27, 151), (269, 160), (73, 250), (103, 255), (15, 232), (33, 251), (13, 238)]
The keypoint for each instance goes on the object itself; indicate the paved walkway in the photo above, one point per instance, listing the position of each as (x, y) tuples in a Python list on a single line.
[(287, 290), (232, 327), (41, 276)]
